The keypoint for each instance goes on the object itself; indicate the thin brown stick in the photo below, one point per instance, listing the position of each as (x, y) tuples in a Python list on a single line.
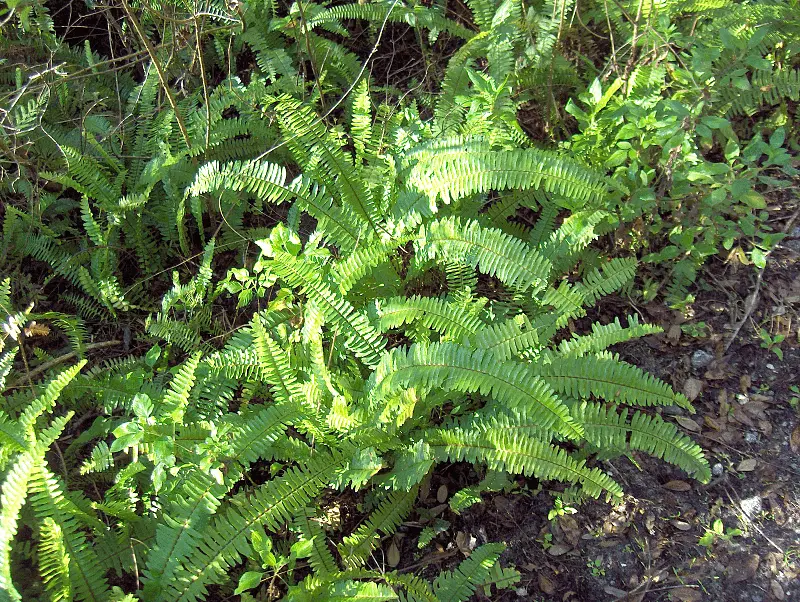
[(161, 75), (61, 359), (752, 299)]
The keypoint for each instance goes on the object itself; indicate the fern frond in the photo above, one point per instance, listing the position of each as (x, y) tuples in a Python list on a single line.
[(489, 250), (450, 367), (320, 557), (355, 548), (516, 453), (435, 313), (461, 175), (604, 336), (459, 585), (612, 380), (54, 561)]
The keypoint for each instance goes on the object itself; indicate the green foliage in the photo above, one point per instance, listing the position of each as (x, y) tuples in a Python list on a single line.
[(339, 290)]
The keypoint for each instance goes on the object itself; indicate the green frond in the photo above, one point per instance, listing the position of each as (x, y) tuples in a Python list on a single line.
[(48, 498), (609, 379), (435, 313), (488, 249), (461, 175), (612, 432), (54, 561), (319, 556), (604, 336), (174, 404), (384, 520), (509, 338), (12, 498), (358, 591), (46, 400), (451, 367), (359, 334), (459, 584), (517, 453), (225, 539)]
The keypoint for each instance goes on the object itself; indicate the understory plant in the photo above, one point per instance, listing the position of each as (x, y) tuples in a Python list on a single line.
[(367, 290), (413, 324)]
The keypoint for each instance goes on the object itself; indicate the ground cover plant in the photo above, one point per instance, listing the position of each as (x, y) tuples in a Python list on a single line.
[(260, 288)]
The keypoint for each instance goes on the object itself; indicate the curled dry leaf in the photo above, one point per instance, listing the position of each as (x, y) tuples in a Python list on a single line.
[(777, 590), (677, 486), (748, 465)]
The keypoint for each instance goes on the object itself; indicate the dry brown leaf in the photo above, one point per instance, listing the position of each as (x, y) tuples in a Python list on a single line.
[(745, 382), (393, 555), (692, 388), (713, 423), (680, 525), (441, 494), (546, 585), (677, 486), (465, 543), (558, 549), (742, 567), (765, 426), (688, 424), (748, 465), (674, 333), (686, 594), (777, 590), (794, 439), (572, 532)]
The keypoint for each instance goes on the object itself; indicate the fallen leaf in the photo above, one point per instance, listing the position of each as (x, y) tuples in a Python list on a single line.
[(777, 590), (742, 567), (466, 543), (615, 591), (745, 382), (692, 388), (713, 423), (441, 494), (546, 585), (680, 525), (677, 486), (688, 424), (686, 594), (674, 333), (748, 465), (572, 532), (558, 549), (393, 555), (794, 439), (765, 426)]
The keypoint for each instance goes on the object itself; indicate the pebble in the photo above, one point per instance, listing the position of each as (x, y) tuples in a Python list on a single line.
[(751, 506), (751, 437), (717, 469), (742, 398), (770, 367), (521, 592), (701, 359)]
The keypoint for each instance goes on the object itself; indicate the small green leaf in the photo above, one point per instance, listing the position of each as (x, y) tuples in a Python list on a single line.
[(248, 580)]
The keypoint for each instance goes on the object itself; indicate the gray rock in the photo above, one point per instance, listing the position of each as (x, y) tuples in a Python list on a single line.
[(717, 469), (701, 359), (751, 437)]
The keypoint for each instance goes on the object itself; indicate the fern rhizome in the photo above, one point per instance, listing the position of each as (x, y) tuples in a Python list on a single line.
[(392, 315)]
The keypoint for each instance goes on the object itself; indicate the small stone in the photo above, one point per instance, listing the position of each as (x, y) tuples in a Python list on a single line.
[(672, 410), (770, 367), (742, 398), (751, 506), (521, 592), (751, 437), (701, 359), (717, 469)]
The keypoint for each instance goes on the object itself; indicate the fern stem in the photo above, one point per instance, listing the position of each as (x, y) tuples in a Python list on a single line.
[(60, 360)]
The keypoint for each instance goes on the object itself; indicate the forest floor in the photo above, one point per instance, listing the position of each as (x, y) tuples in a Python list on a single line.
[(659, 542)]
